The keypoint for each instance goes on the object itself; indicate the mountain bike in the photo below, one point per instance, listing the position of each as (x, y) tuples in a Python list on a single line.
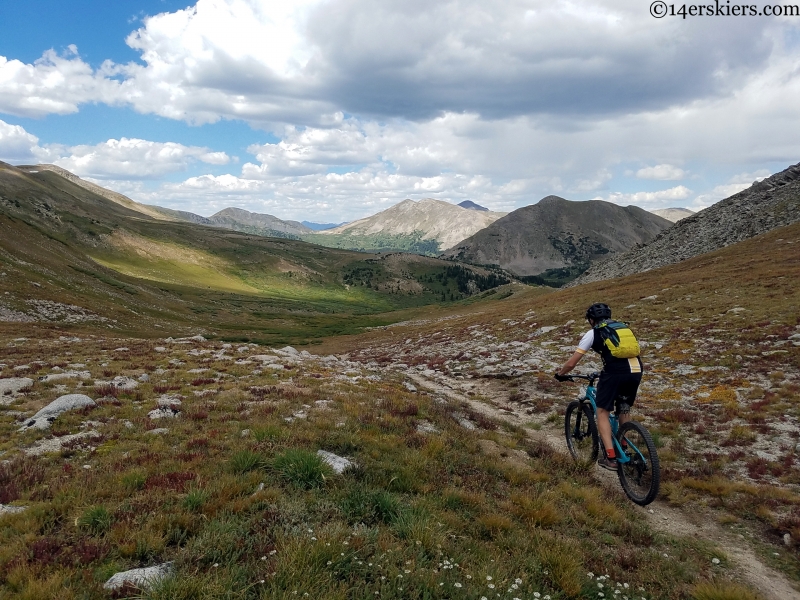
[(637, 460)]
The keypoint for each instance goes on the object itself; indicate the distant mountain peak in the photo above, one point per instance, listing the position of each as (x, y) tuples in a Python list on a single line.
[(429, 218), (470, 205), (673, 214), (558, 237)]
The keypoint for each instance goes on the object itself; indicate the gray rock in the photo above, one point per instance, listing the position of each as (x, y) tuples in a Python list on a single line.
[(164, 412), (43, 418), (288, 351), (120, 382), (337, 463), (167, 400), (56, 444), (143, 579), (66, 375), (410, 386), (11, 386), (265, 358), (5, 509), (157, 431), (144, 378), (426, 427)]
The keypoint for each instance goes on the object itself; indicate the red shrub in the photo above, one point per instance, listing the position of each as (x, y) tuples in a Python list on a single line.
[(170, 481)]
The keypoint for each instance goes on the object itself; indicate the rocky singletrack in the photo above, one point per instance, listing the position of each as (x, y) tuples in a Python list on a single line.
[(660, 515)]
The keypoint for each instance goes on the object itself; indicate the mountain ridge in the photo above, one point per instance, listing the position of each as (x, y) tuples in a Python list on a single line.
[(765, 205), (556, 235)]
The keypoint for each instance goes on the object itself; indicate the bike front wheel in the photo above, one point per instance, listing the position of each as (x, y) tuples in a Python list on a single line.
[(580, 431), (641, 475)]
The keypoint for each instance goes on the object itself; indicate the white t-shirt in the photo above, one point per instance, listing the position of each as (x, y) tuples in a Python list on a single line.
[(586, 342)]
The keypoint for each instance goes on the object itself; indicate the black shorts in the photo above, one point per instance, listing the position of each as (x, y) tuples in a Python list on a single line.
[(620, 387)]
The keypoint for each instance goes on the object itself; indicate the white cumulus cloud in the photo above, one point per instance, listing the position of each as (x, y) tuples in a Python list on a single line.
[(134, 158), (651, 200), (16, 144), (662, 172)]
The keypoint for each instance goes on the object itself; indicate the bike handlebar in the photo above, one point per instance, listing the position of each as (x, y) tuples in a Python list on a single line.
[(591, 377)]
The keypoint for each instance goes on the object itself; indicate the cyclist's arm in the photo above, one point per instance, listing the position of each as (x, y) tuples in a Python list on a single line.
[(583, 347), (570, 364)]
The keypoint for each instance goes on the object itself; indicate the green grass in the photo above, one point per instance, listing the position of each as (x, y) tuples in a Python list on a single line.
[(302, 468)]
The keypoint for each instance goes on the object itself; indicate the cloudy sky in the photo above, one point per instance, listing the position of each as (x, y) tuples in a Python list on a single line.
[(330, 110)]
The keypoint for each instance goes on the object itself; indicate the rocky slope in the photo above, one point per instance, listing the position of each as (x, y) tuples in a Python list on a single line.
[(430, 219), (673, 214), (763, 206), (558, 234)]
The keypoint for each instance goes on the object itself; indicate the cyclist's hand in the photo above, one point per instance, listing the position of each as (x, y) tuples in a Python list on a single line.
[(562, 377)]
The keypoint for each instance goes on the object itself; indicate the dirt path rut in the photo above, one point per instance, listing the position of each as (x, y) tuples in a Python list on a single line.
[(661, 517)]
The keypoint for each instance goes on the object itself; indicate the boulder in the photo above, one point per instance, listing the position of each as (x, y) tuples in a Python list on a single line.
[(43, 418), (143, 578), (337, 463)]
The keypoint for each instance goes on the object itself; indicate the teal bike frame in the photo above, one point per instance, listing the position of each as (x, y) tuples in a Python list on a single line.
[(622, 457)]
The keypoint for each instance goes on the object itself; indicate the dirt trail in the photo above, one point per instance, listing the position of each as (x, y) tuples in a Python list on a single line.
[(661, 517)]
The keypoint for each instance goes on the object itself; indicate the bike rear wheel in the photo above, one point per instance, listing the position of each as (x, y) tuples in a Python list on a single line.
[(580, 431), (641, 475)]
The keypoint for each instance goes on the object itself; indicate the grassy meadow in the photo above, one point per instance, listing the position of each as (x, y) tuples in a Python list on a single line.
[(440, 502)]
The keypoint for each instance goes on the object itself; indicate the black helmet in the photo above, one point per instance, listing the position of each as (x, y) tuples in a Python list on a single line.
[(598, 311)]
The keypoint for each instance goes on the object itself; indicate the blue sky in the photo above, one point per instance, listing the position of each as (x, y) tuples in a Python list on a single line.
[(330, 110)]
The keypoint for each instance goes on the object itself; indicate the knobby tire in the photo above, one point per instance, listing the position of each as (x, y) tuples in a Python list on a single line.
[(580, 431), (640, 480)]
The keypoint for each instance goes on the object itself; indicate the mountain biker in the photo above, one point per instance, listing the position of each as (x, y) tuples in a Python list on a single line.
[(619, 380)]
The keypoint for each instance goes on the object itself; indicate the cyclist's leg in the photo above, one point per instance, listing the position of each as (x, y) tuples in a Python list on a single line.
[(604, 427), (626, 394)]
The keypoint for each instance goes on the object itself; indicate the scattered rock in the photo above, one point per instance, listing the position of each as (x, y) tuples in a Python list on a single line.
[(143, 579), (121, 383), (337, 463), (66, 375), (426, 427), (144, 378), (6, 509), (164, 412), (168, 400), (410, 386), (56, 444), (43, 418), (13, 385), (265, 358), (157, 431)]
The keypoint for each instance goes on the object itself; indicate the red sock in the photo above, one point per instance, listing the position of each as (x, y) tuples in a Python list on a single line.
[(610, 453)]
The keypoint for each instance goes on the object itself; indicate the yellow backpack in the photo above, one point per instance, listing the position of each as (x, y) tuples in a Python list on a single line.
[(618, 338)]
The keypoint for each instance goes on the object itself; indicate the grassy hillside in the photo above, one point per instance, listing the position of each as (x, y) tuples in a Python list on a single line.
[(62, 243)]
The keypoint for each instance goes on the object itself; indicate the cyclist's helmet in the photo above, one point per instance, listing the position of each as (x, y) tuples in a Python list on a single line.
[(598, 311)]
